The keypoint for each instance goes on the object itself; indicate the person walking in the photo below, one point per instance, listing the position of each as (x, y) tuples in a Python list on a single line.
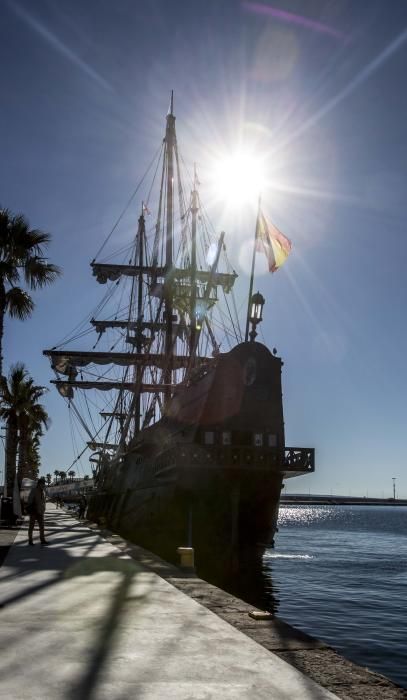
[(82, 506), (36, 510)]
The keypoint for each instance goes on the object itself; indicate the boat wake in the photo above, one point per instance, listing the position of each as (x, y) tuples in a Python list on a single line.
[(275, 555)]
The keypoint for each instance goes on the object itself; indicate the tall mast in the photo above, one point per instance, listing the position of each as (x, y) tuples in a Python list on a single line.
[(139, 336), (194, 210), (168, 291)]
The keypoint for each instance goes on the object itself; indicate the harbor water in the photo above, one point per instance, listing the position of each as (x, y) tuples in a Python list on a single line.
[(340, 574)]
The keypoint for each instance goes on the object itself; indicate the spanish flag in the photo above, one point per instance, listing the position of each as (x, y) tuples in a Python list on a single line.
[(270, 241)]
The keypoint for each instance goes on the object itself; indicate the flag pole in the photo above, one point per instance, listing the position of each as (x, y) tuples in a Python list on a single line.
[(246, 338)]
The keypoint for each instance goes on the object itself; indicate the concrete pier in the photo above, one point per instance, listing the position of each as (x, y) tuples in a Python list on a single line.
[(93, 617)]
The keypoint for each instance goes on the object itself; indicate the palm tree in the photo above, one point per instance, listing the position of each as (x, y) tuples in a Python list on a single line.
[(62, 475), (71, 474), (24, 418), (57, 474), (12, 399), (32, 417), (49, 479), (21, 255)]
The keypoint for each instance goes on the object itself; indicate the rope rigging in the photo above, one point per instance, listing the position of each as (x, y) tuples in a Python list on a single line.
[(142, 307), (128, 203)]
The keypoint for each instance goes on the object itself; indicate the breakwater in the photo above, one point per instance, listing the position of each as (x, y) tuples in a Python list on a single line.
[(329, 500)]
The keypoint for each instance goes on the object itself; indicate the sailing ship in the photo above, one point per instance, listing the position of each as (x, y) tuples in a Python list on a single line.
[(190, 449)]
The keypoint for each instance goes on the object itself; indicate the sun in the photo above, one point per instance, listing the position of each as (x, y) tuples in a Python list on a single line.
[(238, 179)]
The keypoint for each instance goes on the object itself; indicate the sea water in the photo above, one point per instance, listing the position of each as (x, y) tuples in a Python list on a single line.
[(340, 574)]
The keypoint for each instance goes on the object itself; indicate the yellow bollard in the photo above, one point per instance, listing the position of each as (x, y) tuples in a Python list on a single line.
[(187, 557)]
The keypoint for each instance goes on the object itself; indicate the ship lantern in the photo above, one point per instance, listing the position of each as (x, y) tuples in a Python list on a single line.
[(256, 310)]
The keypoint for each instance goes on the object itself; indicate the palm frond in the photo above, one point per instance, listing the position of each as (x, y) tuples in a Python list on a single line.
[(36, 241), (12, 389), (38, 417), (5, 217), (38, 272), (17, 375), (4, 390), (8, 271), (19, 304)]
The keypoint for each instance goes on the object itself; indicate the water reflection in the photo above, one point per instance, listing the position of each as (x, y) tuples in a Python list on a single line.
[(349, 518), (252, 581), (306, 515)]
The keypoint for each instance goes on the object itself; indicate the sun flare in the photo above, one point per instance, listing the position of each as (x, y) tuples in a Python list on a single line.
[(238, 179)]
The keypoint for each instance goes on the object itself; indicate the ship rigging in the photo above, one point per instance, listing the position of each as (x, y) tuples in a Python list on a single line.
[(169, 330)]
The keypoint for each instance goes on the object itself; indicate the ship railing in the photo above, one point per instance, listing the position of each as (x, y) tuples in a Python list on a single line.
[(298, 460), (291, 461), (231, 457)]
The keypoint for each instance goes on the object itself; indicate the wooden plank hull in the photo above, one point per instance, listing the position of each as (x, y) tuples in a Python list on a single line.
[(209, 473), (225, 517)]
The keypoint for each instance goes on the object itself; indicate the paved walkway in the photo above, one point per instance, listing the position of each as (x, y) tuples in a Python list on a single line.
[(80, 620)]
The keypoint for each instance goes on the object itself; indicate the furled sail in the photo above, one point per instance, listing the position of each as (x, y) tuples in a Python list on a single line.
[(64, 362)]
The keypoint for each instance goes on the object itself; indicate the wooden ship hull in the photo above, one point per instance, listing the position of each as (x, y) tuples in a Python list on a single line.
[(209, 473)]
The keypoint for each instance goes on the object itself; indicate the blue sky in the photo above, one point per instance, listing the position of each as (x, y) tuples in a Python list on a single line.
[(320, 88)]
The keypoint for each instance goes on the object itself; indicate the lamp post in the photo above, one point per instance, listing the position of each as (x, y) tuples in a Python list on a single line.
[(394, 487), (256, 310)]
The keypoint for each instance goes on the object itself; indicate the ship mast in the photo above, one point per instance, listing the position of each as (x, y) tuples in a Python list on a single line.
[(193, 319), (139, 337), (170, 140)]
